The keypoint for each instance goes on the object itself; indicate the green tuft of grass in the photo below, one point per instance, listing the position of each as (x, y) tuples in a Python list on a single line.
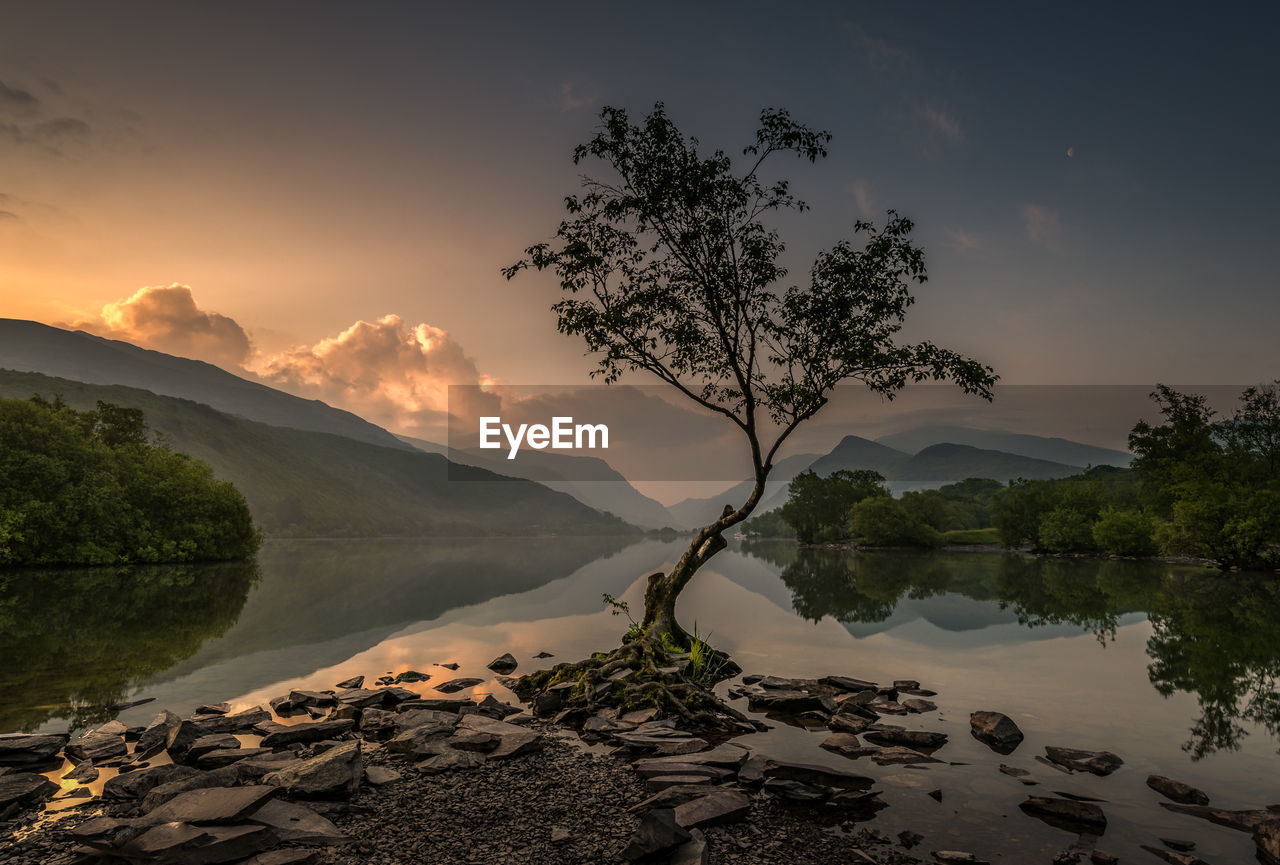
[(971, 536)]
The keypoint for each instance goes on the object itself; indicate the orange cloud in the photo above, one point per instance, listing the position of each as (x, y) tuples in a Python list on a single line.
[(166, 318), (387, 371)]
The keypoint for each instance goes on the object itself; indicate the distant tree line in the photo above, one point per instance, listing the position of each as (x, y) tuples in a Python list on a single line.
[(88, 487), (1197, 487)]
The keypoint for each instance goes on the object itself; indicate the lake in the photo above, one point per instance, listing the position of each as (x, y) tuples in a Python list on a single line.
[(1172, 667)]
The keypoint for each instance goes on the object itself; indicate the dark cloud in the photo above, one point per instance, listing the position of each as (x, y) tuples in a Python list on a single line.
[(61, 131), (7, 215), (17, 103)]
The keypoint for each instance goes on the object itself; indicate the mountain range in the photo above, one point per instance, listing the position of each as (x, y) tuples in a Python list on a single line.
[(308, 468), (315, 484)]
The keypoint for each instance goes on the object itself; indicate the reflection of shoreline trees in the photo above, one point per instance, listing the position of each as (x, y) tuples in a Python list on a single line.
[(1214, 635), (81, 640)]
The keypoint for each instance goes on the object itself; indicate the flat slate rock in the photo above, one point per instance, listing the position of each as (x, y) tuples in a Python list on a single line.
[(26, 750), (349, 684), (513, 740), (135, 785), (726, 756), (297, 824), (98, 747), (657, 834), (278, 735), (335, 772), (898, 755), (1067, 814), (1095, 762), (811, 774), (1243, 821), (722, 806), (218, 805), (25, 788), (1177, 791), (228, 756), (885, 734), (455, 685)]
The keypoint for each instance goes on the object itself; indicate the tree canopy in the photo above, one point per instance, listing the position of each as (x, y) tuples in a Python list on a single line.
[(86, 487), (669, 267)]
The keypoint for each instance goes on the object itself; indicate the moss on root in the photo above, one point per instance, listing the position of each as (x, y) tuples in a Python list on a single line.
[(650, 683)]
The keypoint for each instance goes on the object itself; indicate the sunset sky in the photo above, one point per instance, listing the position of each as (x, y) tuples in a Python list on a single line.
[(248, 183)]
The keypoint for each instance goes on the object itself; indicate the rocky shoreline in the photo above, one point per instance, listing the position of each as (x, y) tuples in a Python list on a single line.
[(384, 774)]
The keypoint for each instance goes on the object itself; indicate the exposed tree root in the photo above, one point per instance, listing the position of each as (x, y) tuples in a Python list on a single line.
[(637, 675)]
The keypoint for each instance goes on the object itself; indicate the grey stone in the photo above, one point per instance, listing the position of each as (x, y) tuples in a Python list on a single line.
[(162, 793), (658, 783), (898, 755), (336, 772), (155, 738), (135, 785), (296, 824), (28, 750), (513, 740), (214, 709), (380, 776), (98, 747), (211, 742), (1266, 836), (1067, 814), (722, 806), (1242, 821), (448, 760), (657, 834), (25, 788), (362, 697), (349, 684), (885, 734), (85, 773), (816, 775), (228, 756), (1172, 856), (1095, 762), (302, 699), (919, 706), (219, 805), (1177, 791), (847, 745), (182, 844), (798, 791), (504, 664), (454, 685), (997, 731), (279, 735)]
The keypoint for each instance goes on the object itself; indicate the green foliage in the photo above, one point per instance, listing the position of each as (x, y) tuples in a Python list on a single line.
[(1213, 486), (817, 507), (300, 483), (882, 521), (622, 608), (85, 487), (1124, 532), (706, 665), (77, 641), (965, 537), (1198, 487), (768, 525)]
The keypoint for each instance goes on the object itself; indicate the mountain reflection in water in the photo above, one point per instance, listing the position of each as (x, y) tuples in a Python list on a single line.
[(1215, 635)]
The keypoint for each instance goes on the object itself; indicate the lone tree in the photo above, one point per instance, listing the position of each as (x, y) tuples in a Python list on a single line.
[(668, 267)]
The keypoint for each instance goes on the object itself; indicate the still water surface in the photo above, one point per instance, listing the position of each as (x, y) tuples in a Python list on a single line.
[(1173, 668)]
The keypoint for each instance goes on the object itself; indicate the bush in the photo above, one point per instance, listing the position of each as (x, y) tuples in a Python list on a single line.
[(1124, 533), (1067, 529), (883, 522), (87, 488)]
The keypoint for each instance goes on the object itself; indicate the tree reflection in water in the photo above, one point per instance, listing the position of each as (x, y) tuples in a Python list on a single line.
[(75, 642), (1215, 635)]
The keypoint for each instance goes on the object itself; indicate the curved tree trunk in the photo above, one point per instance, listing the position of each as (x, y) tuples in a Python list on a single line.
[(662, 589)]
